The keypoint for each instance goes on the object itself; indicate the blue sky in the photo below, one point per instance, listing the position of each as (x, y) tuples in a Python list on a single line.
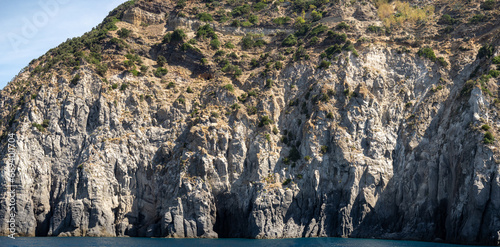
[(29, 28)]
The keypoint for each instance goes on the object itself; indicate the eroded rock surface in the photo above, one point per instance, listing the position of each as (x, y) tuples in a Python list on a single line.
[(386, 144)]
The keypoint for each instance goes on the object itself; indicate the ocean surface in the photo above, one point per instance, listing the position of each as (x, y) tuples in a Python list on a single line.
[(154, 242)]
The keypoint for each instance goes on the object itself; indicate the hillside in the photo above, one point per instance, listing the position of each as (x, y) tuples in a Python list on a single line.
[(266, 119)]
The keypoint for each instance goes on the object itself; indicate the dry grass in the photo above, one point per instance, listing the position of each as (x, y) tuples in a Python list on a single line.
[(398, 13)]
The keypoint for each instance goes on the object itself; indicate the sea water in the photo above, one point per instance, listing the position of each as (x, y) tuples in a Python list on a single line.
[(232, 242)]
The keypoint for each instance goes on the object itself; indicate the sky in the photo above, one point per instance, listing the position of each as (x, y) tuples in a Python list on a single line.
[(29, 28)]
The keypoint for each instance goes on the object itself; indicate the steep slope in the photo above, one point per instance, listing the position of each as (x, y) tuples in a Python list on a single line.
[(226, 119)]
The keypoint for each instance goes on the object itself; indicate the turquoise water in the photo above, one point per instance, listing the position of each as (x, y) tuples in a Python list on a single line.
[(153, 242)]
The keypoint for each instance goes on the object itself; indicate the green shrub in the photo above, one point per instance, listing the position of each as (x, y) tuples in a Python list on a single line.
[(477, 18), (496, 60), (119, 43), (268, 137), (252, 110), (348, 46), (331, 51), (134, 58), (329, 115), (134, 72), (160, 72), (252, 93), (114, 86), (246, 24), (247, 42), (268, 65), (286, 182), (123, 33), (300, 176), (235, 23), (275, 131), (45, 123), (294, 154), (494, 73), (448, 29), (485, 127), (229, 87), (181, 4), (374, 29), (324, 149), (229, 45), (223, 17), (486, 50), (488, 4), (307, 158), (253, 19), (235, 106), (269, 83), (259, 43), (161, 60), (447, 19), (324, 64), (75, 79), (124, 87), (282, 20), (488, 138), (286, 161), (342, 25), (204, 61), (129, 64), (427, 52), (189, 90), (254, 63), (39, 127), (189, 47), (316, 15), (206, 31), (219, 53), (215, 44), (241, 10), (228, 68), (177, 35), (337, 38), (251, 41), (314, 41), (290, 40), (237, 71), (243, 97), (278, 65), (170, 85), (206, 17), (318, 30), (324, 97), (259, 6), (442, 61), (265, 120), (101, 69), (300, 54)]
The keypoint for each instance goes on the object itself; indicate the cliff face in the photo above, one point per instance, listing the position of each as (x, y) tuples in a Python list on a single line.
[(380, 143)]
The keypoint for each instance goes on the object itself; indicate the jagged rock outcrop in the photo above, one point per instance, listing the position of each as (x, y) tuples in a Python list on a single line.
[(384, 144)]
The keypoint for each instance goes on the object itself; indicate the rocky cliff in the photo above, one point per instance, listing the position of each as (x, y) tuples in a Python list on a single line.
[(163, 122)]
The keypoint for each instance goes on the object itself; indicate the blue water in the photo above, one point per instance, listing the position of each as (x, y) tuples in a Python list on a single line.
[(153, 242)]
